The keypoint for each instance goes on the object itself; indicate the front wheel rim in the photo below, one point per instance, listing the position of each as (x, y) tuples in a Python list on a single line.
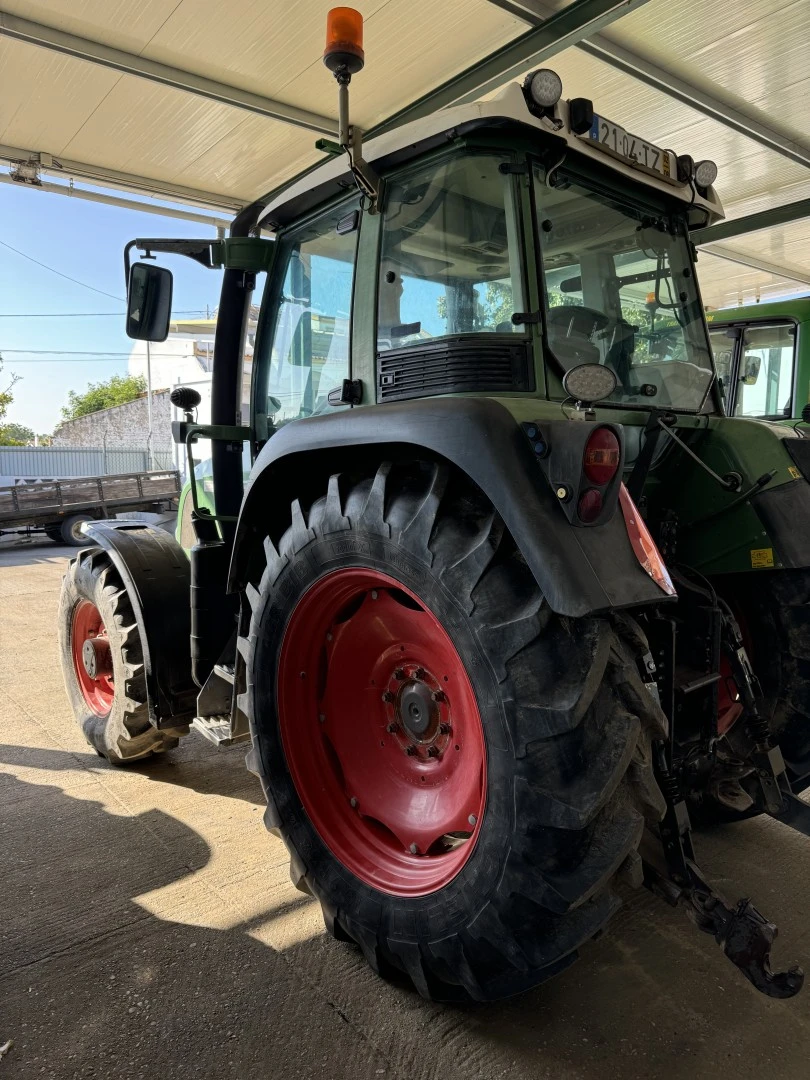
[(92, 660), (381, 732)]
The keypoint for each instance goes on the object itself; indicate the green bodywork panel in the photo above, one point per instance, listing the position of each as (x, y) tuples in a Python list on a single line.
[(797, 311), (255, 253), (724, 543)]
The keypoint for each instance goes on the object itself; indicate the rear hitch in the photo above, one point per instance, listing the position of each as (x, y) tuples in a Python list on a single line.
[(744, 933)]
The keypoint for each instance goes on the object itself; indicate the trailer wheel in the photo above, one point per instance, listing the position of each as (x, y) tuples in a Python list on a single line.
[(70, 530), (102, 662), (459, 775)]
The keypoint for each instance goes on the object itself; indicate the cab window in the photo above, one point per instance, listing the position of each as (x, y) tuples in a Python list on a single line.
[(620, 291), (765, 375), (450, 261), (309, 355)]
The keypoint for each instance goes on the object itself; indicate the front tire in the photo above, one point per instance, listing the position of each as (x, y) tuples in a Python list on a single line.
[(541, 733), (102, 662)]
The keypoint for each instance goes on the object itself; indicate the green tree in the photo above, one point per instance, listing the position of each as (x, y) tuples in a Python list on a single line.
[(15, 435), (6, 396), (117, 390)]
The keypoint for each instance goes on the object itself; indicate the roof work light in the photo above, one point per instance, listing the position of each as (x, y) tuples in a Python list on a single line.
[(705, 173)]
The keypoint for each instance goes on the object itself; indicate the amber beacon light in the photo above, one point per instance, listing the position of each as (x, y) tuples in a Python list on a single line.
[(344, 41)]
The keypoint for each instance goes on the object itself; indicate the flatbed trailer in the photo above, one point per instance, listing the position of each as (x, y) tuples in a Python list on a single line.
[(60, 507)]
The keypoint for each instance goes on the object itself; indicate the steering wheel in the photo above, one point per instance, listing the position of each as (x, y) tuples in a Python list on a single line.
[(570, 330), (571, 319)]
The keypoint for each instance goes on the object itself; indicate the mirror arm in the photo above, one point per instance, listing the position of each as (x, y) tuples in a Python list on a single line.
[(252, 253)]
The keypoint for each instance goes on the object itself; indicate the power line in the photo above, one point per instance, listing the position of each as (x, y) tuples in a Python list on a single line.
[(71, 360), (59, 273), (84, 314), (41, 356)]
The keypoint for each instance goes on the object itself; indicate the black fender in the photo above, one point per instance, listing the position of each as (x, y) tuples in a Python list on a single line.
[(156, 573), (580, 570)]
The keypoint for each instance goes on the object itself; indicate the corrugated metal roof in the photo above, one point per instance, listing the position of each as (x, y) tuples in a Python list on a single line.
[(747, 55)]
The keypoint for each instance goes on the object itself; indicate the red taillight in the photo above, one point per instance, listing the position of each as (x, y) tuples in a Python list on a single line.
[(602, 456), (590, 505), (643, 544)]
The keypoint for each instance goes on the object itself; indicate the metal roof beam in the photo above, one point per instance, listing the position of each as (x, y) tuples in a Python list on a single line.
[(743, 259), (65, 168), (94, 52), (562, 30), (765, 219), (114, 200), (658, 78)]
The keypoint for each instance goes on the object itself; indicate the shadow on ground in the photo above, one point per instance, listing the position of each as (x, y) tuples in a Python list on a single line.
[(95, 983), (195, 765)]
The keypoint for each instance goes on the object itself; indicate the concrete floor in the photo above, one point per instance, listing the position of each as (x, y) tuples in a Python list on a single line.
[(149, 929)]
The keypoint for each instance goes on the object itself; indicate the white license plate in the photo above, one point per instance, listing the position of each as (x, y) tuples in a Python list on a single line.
[(609, 136)]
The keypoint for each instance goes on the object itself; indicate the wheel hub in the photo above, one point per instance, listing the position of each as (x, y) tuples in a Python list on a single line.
[(416, 711), (92, 658), (97, 658), (381, 732)]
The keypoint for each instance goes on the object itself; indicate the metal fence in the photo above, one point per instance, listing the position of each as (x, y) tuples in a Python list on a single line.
[(54, 463)]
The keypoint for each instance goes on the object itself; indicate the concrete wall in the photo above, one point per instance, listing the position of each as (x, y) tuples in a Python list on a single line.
[(122, 425)]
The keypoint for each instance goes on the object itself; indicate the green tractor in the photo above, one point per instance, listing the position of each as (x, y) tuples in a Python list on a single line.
[(507, 597), (762, 357)]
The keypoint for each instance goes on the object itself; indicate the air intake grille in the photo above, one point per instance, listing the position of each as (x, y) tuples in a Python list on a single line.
[(453, 367)]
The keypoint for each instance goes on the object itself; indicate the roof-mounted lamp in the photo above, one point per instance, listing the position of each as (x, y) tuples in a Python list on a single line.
[(344, 57)]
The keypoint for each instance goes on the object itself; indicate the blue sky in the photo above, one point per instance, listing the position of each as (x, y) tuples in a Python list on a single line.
[(85, 241)]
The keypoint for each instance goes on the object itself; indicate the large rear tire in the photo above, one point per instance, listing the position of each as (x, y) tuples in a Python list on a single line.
[(399, 648), (102, 663)]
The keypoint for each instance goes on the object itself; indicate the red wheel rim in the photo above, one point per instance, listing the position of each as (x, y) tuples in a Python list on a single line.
[(92, 660), (381, 732)]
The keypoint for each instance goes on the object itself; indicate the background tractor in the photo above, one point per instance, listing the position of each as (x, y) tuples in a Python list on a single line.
[(762, 356), (495, 605)]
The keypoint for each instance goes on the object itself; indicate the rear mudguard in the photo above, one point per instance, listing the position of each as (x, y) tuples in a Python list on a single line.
[(155, 572), (580, 570)]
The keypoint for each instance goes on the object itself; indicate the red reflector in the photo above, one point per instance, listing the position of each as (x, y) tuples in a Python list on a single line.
[(643, 544), (602, 456), (590, 505)]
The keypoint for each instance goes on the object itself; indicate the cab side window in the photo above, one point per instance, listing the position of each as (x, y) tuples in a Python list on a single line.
[(765, 377), (450, 261), (310, 351)]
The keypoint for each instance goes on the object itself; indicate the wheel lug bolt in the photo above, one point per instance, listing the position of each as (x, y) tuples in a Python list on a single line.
[(439, 695), (419, 673), (444, 729), (352, 802), (433, 751), (388, 696), (410, 751), (414, 850), (399, 674), (392, 729)]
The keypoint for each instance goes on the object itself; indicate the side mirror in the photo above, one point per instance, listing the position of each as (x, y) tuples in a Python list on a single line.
[(751, 372), (149, 302)]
